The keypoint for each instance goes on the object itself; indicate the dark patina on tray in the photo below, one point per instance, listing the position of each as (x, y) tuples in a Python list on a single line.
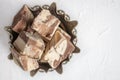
[(66, 24)]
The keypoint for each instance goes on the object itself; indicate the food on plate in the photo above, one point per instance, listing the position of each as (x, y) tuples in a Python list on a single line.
[(42, 38)]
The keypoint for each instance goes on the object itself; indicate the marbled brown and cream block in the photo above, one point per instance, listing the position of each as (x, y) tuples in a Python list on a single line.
[(45, 24), (30, 44)]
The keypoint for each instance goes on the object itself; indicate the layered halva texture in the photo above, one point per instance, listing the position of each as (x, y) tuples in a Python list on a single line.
[(40, 40)]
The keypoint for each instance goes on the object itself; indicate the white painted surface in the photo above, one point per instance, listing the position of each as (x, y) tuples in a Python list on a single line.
[(98, 38)]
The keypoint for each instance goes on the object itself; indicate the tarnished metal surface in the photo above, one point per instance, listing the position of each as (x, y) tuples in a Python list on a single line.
[(67, 25)]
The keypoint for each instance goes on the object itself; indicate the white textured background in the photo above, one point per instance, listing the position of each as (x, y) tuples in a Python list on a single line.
[(98, 35)]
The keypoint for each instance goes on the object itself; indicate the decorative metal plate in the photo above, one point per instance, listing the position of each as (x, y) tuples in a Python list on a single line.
[(66, 24)]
